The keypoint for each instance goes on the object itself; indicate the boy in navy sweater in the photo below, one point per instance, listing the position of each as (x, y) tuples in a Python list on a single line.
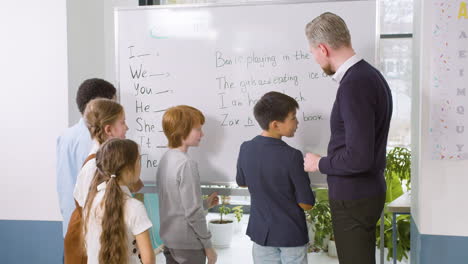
[(279, 187)]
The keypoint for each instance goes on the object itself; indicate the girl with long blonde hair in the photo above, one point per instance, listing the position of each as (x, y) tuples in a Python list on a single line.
[(105, 119), (116, 226)]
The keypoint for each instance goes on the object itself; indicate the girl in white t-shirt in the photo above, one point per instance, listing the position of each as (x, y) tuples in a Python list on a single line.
[(105, 119), (116, 226)]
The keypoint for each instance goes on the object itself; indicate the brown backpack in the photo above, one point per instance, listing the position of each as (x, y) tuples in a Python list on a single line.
[(74, 250)]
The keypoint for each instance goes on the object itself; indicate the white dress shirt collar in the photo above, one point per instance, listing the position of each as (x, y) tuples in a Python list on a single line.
[(340, 72)]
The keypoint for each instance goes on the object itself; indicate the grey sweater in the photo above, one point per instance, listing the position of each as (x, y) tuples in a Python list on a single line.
[(181, 209)]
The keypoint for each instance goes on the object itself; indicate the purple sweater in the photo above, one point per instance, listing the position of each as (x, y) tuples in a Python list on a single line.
[(359, 122)]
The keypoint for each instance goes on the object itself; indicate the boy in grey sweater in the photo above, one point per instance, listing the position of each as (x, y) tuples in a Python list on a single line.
[(183, 226)]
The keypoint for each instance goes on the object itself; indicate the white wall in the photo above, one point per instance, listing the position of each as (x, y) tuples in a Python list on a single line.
[(41, 86), (90, 27), (85, 27), (33, 106), (439, 187), (416, 112)]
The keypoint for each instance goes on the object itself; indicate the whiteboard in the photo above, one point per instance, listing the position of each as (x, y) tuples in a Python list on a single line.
[(221, 59)]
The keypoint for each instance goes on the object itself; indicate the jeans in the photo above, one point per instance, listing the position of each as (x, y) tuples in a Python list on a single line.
[(279, 255)]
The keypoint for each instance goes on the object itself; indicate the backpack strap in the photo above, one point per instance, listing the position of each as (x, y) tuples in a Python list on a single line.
[(90, 157)]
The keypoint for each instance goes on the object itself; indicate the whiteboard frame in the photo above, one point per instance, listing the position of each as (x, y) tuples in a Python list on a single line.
[(150, 186)]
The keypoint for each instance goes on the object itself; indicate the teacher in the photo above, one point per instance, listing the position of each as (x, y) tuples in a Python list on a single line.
[(359, 122)]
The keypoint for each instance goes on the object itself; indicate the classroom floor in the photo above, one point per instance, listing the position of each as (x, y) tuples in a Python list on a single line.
[(240, 251)]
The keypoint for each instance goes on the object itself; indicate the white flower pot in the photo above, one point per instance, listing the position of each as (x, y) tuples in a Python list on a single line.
[(332, 249), (221, 234), (311, 232), (237, 226)]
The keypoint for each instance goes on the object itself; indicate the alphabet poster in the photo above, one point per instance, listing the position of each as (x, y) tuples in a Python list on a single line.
[(449, 81)]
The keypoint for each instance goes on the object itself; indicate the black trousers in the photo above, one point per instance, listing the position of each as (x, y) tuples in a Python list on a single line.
[(354, 227)]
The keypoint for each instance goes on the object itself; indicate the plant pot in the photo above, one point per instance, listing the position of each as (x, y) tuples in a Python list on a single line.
[(237, 226), (311, 232), (332, 249), (221, 233)]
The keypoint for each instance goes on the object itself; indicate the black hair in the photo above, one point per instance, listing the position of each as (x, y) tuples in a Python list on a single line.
[(93, 88), (273, 106)]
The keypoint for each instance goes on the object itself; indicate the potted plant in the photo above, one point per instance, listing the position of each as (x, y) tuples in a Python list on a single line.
[(225, 199), (238, 213), (319, 217), (222, 228), (397, 177)]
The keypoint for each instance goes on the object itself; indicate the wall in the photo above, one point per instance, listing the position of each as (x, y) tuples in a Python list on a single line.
[(90, 28), (33, 110), (85, 34), (33, 106), (48, 48), (439, 198)]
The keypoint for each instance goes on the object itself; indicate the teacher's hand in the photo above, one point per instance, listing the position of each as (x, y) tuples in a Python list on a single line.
[(311, 162)]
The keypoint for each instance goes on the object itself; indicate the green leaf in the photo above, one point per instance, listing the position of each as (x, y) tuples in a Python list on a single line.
[(394, 189), (397, 173), (321, 194)]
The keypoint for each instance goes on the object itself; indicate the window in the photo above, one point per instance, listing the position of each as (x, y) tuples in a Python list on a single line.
[(396, 25)]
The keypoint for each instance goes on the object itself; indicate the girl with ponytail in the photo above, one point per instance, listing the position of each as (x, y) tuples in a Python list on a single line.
[(105, 119), (116, 226)]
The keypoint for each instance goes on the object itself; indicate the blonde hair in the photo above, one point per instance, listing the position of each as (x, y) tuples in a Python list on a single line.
[(98, 114), (330, 29), (178, 121), (115, 157)]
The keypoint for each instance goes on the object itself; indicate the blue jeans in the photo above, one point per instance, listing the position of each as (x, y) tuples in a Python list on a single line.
[(279, 255)]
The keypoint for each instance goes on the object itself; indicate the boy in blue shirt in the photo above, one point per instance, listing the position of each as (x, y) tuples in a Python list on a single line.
[(74, 145), (279, 187)]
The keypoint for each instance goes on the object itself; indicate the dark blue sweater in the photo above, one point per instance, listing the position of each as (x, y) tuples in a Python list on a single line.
[(359, 123)]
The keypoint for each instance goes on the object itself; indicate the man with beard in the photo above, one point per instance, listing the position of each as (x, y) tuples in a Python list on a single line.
[(359, 122)]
